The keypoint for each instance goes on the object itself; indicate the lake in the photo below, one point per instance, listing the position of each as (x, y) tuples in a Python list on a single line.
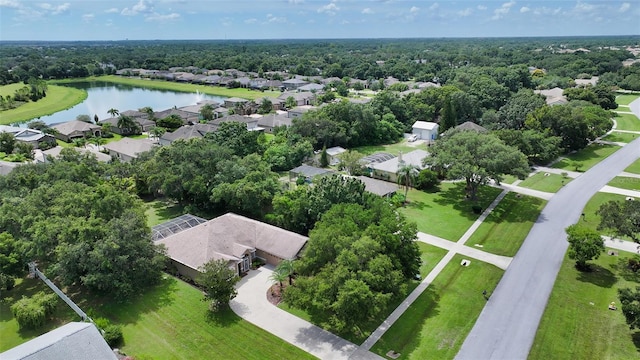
[(102, 96)]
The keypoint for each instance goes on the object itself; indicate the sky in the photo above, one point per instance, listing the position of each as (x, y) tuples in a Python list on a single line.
[(311, 19)]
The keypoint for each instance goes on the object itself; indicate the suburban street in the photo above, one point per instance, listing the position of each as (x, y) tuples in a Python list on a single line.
[(507, 326)]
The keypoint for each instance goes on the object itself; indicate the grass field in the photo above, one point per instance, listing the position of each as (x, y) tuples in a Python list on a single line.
[(577, 323), (161, 210), (58, 98), (540, 182), (445, 213), (430, 256), (587, 157), (394, 149), (183, 87), (626, 99), (504, 230), (627, 122), (437, 323), (624, 182), (634, 168), (10, 89), (591, 219), (621, 137), (170, 321)]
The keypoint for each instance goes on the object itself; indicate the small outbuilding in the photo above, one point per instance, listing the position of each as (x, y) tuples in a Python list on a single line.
[(425, 130), (308, 172)]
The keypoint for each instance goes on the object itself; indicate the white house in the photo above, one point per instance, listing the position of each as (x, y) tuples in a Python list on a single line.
[(425, 130)]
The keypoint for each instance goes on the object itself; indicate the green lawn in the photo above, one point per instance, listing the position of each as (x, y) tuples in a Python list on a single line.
[(627, 122), (11, 88), (170, 321), (509, 179), (446, 213), (176, 86), (394, 149), (573, 328), (621, 137), (626, 99), (58, 98), (587, 157), (624, 182), (591, 219), (437, 323), (504, 230), (634, 168), (161, 210), (430, 256), (540, 182)]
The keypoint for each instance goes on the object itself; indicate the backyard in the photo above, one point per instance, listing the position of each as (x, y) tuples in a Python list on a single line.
[(506, 227), (394, 149), (168, 321), (437, 323), (577, 323), (446, 212), (586, 158)]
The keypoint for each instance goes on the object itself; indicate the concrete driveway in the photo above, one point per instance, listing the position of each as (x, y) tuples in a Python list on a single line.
[(252, 305)]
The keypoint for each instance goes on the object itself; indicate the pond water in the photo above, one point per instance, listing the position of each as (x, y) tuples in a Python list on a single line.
[(103, 96)]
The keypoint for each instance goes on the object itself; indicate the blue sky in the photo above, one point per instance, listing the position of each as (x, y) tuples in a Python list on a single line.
[(277, 19)]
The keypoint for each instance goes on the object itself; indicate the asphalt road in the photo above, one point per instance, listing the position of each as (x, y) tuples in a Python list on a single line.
[(507, 325)]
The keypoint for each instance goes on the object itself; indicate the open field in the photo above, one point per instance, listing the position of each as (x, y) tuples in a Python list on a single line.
[(437, 323), (577, 323), (626, 99), (169, 321), (587, 157), (183, 87), (505, 229), (446, 213), (10, 89), (550, 183), (624, 182), (627, 122), (58, 98), (621, 137), (634, 168)]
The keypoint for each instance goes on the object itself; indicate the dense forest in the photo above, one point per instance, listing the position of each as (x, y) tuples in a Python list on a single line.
[(404, 59)]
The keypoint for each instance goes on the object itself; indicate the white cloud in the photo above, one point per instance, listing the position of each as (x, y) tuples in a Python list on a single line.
[(296, 2), (465, 12), (87, 17), (251, 21), (584, 7), (624, 7), (275, 19), (112, 11), (524, 9), (55, 9), (547, 11), (414, 9), (503, 10), (9, 4), (331, 9), (434, 6), (367, 11), (162, 17), (482, 7), (140, 7)]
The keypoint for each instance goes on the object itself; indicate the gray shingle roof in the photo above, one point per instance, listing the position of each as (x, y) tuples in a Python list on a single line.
[(130, 147), (411, 158), (76, 340), (308, 171), (189, 132), (69, 127), (378, 187)]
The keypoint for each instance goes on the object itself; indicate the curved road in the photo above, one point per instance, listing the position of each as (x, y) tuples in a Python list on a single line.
[(507, 325)]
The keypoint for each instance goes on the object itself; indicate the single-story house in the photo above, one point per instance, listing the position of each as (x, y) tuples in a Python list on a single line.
[(30, 136), (293, 84), (334, 153), (301, 98), (587, 82), (75, 340), (471, 126), (70, 130), (300, 110), (425, 130), (220, 112), (143, 122), (311, 87), (55, 153), (308, 172), (378, 187), (252, 123), (187, 117), (128, 149), (553, 96), (233, 238), (187, 132), (232, 102), (276, 104), (388, 170), (270, 121)]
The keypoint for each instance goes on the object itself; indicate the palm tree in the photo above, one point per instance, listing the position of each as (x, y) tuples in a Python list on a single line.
[(113, 112), (407, 175), (278, 277), (80, 142), (127, 125), (286, 267), (97, 141), (157, 132)]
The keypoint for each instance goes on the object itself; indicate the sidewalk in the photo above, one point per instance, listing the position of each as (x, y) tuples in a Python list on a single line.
[(500, 261), (623, 245), (619, 191)]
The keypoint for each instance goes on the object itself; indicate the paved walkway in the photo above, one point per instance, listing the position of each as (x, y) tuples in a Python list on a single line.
[(500, 261), (623, 245), (524, 191), (571, 174), (252, 305), (619, 191), (628, 174)]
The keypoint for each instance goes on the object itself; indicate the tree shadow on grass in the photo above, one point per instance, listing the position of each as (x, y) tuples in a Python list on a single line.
[(455, 197), (514, 209), (404, 336), (598, 276), (635, 337), (223, 318)]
